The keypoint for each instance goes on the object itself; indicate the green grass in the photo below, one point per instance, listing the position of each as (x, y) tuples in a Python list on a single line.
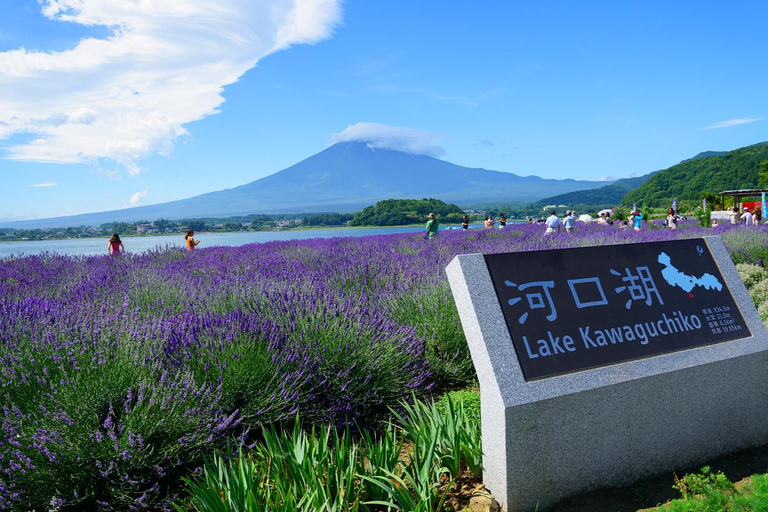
[(712, 491)]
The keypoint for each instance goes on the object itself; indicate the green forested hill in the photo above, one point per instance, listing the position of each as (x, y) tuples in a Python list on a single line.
[(399, 212), (737, 169), (597, 198)]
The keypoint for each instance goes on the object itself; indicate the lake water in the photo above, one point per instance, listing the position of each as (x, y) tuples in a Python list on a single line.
[(91, 246)]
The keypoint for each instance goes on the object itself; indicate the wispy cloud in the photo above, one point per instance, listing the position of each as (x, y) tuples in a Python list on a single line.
[(469, 100), (136, 198), (377, 135), (165, 65), (484, 142), (42, 185), (734, 122)]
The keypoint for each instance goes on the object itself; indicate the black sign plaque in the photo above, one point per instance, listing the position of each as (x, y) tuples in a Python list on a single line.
[(573, 309)]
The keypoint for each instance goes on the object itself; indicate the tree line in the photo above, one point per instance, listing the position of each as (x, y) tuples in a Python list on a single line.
[(399, 212)]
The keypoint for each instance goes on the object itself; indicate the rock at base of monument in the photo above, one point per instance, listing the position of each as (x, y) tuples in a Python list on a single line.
[(483, 502)]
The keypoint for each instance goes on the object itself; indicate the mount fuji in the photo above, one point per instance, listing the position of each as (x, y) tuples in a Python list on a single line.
[(344, 177)]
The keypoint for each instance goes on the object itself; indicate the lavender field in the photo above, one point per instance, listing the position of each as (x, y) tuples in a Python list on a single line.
[(119, 374)]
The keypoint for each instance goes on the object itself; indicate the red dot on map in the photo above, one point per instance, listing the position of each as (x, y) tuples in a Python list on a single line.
[(690, 295)]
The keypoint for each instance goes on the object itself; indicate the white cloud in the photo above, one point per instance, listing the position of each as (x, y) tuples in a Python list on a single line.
[(377, 135), (165, 65), (606, 178), (734, 122), (136, 198), (42, 185)]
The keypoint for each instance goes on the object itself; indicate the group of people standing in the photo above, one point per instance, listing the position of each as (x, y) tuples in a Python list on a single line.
[(747, 218), (635, 219), (490, 222), (432, 223), (115, 246), (554, 224)]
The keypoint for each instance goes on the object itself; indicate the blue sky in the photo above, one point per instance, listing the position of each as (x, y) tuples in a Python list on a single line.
[(107, 104)]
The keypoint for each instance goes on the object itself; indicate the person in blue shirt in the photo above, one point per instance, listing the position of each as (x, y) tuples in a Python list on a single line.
[(569, 222), (636, 218)]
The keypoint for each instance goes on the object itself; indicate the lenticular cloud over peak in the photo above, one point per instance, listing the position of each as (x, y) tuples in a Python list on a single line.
[(407, 140), (166, 63)]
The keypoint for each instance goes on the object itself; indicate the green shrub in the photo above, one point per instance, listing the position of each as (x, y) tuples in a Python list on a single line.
[(703, 491), (434, 315), (751, 274), (746, 245), (759, 292), (98, 428), (470, 398), (762, 309)]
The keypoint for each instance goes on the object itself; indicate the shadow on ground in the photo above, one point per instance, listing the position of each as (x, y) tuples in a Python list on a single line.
[(658, 490)]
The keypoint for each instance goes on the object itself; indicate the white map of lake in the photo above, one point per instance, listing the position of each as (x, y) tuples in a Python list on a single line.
[(676, 278)]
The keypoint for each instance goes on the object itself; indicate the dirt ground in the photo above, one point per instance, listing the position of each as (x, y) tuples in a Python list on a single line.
[(652, 492)]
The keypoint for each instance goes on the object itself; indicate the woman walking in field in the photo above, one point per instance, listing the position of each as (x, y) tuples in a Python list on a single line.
[(115, 246), (671, 219), (190, 239)]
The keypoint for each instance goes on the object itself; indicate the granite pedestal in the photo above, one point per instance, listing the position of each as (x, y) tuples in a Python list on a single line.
[(546, 439)]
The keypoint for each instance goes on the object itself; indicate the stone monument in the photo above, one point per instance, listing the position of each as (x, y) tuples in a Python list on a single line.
[(601, 365)]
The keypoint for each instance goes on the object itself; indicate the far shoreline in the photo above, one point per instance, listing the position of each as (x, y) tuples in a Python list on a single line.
[(183, 234)]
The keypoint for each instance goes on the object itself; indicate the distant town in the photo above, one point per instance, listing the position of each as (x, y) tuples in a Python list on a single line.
[(390, 212), (165, 227)]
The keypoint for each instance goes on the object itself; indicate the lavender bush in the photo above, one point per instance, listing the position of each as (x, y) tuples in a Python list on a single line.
[(118, 374)]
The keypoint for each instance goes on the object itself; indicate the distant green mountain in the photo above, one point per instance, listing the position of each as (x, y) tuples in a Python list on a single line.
[(704, 154), (596, 198), (737, 169)]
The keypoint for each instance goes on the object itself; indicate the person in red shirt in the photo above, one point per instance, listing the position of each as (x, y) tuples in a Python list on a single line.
[(115, 246)]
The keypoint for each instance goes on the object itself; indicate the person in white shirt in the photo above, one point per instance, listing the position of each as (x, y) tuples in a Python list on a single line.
[(553, 223), (746, 217)]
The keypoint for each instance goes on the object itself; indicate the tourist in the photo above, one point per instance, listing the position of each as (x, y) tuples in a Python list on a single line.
[(465, 222), (636, 218), (671, 219), (190, 239), (714, 224), (489, 222), (553, 223), (733, 215), (757, 217), (530, 220), (569, 222), (502, 221), (115, 246), (623, 224), (432, 226), (746, 217)]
